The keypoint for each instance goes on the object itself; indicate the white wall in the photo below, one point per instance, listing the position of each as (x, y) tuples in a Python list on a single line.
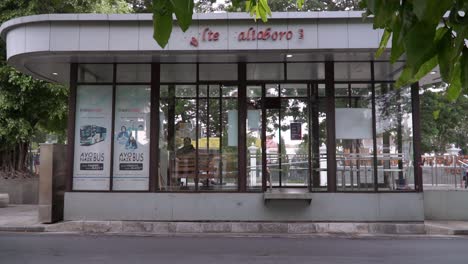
[(446, 205), (359, 207)]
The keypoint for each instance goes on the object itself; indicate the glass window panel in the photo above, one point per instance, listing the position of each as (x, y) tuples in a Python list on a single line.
[(199, 144), (93, 125), (341, 89), (273, 148), (95, 73), (229, 91), (352, 71), (186, 90), (306, 71), (203, 91), (294, 143), (164, 91), (386, 71), (394, 138), (214, 90), (178, 72), (218, 72), (354, 139), (265, 71), (134, 73), (229, 165), (183, 156), (254, 146), (294, 90), (272, 90), (318, 138), (321, 90), (254, 91), (132, 136)]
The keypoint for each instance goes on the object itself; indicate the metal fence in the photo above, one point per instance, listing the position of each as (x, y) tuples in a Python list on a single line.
[(444, 172)]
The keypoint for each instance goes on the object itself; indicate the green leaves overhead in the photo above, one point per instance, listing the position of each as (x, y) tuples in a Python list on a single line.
[(299, 4), (464, 70), (162, 18), (420, 31), (183, 10), (162, 21), (258, 9)]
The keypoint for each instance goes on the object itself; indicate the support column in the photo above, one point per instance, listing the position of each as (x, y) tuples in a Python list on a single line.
[(418, 181), (314, 140), (71, 126), (154, 183), (242, 143), (331, 135)]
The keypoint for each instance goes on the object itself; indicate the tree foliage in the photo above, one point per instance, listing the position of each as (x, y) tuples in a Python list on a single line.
[(427, 33), (31, 108), (449, 125)]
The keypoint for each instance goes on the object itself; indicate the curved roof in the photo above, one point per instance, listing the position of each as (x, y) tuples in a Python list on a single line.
[(44, 45)]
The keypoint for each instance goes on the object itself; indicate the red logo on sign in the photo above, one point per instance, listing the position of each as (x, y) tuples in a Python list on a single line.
[(194, 42)]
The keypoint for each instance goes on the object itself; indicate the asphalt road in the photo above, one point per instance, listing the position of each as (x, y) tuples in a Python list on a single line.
[(59, 248)]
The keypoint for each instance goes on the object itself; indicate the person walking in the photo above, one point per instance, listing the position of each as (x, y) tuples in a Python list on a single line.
[(465, 178), (37, 161)]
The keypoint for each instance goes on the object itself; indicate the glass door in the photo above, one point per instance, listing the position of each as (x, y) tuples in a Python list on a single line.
[(278, 125), (287, 134)]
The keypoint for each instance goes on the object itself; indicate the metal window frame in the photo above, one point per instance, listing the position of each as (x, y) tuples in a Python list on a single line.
[(241, 83)]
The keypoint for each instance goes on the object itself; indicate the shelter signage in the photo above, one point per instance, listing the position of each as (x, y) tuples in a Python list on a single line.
[(250, 34)]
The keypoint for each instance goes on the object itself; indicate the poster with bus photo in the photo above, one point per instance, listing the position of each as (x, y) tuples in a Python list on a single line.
[(131, 138), (93, 123)]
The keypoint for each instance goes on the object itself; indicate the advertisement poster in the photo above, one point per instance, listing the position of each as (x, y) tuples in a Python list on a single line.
[(92, 137), (131, 139)]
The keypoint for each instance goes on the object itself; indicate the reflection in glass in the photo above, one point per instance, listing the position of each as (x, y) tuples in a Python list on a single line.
[(201, 153), (254, 135), (394, 138), (354, 138)]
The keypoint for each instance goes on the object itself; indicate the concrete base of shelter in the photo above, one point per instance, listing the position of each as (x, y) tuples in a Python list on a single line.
[(253, 228), (243, 207)]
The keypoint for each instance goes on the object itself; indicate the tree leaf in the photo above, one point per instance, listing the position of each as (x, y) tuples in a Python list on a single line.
[(436, 114), (464, 70), (300, 4), (445, 55), (383, 42), (162, 21), (183, 10), (383, 11), (398, 47), (430, 11), (454, 89), (419, 45), (407, 77)]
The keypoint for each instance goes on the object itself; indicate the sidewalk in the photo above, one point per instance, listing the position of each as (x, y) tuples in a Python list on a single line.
[(447, 227), (20, 218), (23, 218)]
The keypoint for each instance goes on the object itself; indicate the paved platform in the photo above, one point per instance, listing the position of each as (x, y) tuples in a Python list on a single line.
[(24, 218), (20, 218)]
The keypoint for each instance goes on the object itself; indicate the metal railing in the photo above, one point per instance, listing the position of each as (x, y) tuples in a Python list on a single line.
[(444, 172)]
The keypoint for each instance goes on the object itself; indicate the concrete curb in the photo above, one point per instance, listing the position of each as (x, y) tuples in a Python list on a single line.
[(238, 228), (22, 229), (434, 229)]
